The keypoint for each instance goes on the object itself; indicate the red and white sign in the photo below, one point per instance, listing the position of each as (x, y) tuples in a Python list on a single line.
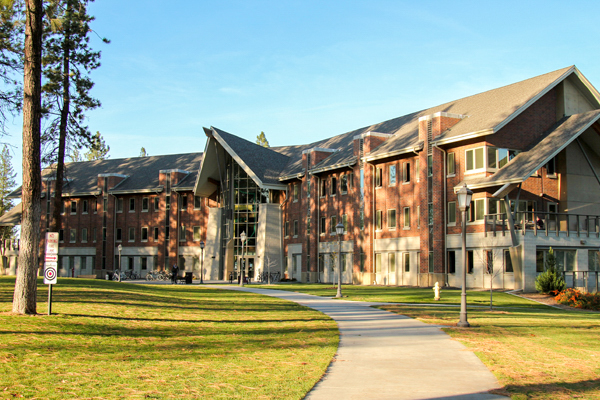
[(51, 264)]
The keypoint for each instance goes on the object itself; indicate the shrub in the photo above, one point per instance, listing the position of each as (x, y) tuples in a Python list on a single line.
[(549, 281), (575, 298)]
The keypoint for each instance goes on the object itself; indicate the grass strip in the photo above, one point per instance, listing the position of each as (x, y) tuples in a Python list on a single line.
[(109, 340)]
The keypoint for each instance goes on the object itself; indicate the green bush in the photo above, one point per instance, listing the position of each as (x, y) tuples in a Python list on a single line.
[(549, 281)]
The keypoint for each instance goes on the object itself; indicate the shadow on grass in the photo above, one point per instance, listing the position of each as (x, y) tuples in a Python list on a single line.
[(550, 390)]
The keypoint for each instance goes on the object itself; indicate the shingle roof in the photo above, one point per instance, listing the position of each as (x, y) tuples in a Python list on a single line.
[(527, 162), (142, 172), (12, 217)]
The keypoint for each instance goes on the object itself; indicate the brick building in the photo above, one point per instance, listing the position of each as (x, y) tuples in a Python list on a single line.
[(531, 148)]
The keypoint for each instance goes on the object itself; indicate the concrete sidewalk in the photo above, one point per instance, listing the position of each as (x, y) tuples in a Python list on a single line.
[(387, 356)]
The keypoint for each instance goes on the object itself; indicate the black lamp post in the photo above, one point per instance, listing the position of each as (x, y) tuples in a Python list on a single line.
[(464, 201), (339, 229), (243, 239), (202, 261)]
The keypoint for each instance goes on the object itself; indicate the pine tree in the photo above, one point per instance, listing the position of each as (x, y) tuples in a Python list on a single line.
[(143, 152), (261, 140), (98, 150), (7, 184), (11, 63), (24, 298), (68, 61)]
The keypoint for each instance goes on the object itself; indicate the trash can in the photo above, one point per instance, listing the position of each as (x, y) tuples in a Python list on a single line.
[(188, 278), (109, 276)]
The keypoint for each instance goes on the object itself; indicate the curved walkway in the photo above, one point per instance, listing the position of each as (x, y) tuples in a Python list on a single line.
[(383, 355)]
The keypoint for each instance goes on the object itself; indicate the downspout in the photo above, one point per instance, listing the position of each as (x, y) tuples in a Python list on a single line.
[(114, 232), (281, 232), (178, 227), (373, 219), (318, 223), (445, 223)]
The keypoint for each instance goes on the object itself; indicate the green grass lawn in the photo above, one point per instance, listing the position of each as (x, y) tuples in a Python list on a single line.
[(535, 351), (114, 340)]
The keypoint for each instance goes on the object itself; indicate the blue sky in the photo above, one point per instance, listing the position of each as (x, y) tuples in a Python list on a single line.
[(304, 70)]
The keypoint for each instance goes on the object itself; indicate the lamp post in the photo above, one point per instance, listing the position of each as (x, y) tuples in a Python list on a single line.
[(339, 229), (120, 248), (202, 262), (243, 239), (464, 201)]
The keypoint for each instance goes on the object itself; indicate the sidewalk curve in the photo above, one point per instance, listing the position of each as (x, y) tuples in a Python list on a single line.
[(383, 355)]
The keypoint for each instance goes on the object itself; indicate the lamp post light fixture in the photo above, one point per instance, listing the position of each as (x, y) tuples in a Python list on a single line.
[(243, 239), (202, 262), (464, 201), (339, 229), (120, 248)]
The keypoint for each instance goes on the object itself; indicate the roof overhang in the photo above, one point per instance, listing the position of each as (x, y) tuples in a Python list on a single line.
[(12, 217), (347, 164), (394, 153)]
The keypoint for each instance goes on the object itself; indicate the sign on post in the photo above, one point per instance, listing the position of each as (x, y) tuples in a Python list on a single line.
[(51, 262)]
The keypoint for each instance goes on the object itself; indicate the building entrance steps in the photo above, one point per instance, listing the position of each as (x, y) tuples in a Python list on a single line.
[(382, 355)]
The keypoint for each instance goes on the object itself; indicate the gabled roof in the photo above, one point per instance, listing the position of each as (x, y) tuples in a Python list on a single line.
[(527, 162), (12, 217), (141, 173)]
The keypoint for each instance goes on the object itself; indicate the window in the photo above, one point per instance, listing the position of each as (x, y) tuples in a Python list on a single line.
[(84, 207), (429, 166), (104, 234), (131, 234), (130, 262), (286, 229), (119, 205), (145, 204), (333, 186), (378, 176), (155, 233), (84, 235), (417, 169), (539, 261), (452, 213), (105, 204), (470, 261), (182, 233), (343, 259), (344, 183), (392, 262), (418, 216), (593, 260), (363, 261), (62, 207), (362, 220), (94, 235), (378, 263), (350, 176), (295, 228), (551, 168), (144, 234), (362, 183), (131, 205), (156, 203), (406, 172), (196, 233), (565, 260), (197, 202), (451, 260), (308, 225), (332, 261), (430, 270), (391, 219), (378, 222), (450, 166), (489, 262), (323, 229), (392, 173), (168, 202), (83, 263), (144, 262), (345, 222), (430, 214), (184, 202), (333, 223), (295, 191), (477, 210), (406, 217), (119, 235), (323, 188), (508, 267), (474, 159), (73, 207), (72, 235), (61, 235), (406, 261)]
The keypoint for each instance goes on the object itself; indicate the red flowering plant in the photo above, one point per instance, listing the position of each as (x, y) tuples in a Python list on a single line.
[(575, 298)]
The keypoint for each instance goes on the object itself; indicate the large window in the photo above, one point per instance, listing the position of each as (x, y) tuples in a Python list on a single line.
[(477, 210), (378, 177), (406, 172), (406, 261), (344, 183), (508, 267), (487, 158), (392, 262), (451, 261), (392, 172), (392, 219)]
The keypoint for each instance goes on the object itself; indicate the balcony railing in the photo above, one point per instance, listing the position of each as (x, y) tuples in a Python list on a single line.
[(545, 223)]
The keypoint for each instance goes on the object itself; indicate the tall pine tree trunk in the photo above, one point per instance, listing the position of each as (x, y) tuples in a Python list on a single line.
[(62, 138), (24, 300)]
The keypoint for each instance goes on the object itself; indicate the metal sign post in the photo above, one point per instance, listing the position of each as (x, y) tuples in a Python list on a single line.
[(51, 265)]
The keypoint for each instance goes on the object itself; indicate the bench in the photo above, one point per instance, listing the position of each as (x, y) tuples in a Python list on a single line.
[(187, 279), (87, 276)]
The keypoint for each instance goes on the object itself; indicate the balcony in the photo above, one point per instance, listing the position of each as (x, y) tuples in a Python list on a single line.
[(545, 223)]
